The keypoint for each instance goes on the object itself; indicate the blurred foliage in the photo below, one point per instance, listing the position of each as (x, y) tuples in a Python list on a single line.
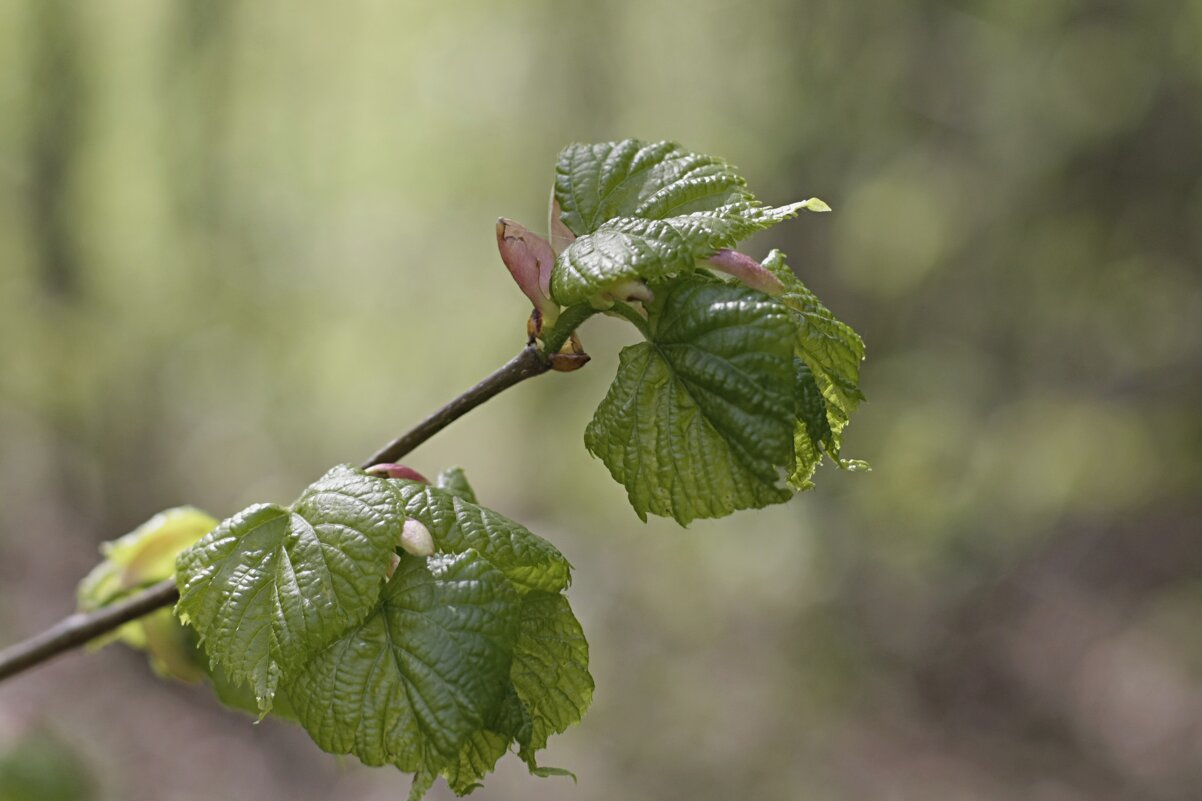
[(40, 767), (240, 243)]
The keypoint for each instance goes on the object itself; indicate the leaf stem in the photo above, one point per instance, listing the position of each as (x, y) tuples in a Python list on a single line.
[(80, 628), (630, 313), (569, 320)]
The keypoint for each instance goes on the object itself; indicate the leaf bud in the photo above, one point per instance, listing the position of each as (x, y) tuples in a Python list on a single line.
[(416, 539), (747, 270), (529, 259), (392, 470)]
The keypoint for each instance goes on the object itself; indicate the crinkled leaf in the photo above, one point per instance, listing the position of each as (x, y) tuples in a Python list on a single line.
[(241, 698), (454, 481), (550, 669), (813, 432), (651, 180), (635, 248), (699, 421), (271, 586), (476, 759), (550, 689), (509, 723), (456, 525), (831, 349), (411, 684)]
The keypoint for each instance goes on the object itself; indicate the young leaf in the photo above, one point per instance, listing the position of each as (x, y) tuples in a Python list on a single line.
[(143, 557), (651, 180), (550, 690), (456, 525), (550, 669), (412, 683), (813, 432), (454, 481), (647, 211), (627, 249), (271, 586), (831, 349), (509, 723), (699, 421)]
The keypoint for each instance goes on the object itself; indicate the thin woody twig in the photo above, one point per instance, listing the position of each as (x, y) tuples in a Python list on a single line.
[(81, 628)]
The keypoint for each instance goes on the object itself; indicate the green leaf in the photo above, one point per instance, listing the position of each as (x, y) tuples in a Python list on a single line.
[(457, 525), (476, 759), (550, 689), (271, 586), (699, 421), (831, 349), (650, 180), (454, 481), (510, 722), (143, 557), (550, 669), (635, 248), (647, 211), (412, 683), (813, 432)]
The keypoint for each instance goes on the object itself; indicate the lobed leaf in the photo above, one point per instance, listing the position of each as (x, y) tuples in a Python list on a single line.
[(550, 669), (831, 350), (454, 481), (635, 248), (812, 433), (271, 586), (650, 180), (457, 525), (699, 420), (412, 683)]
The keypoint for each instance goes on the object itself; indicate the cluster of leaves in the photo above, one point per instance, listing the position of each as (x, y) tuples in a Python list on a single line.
[(437, 664), (737, 392), (404, 623)]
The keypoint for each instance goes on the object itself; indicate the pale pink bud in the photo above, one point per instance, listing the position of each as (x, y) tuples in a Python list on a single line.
[(396, 471), (529, 259), (561, 235), (747, 270), (416, 539)]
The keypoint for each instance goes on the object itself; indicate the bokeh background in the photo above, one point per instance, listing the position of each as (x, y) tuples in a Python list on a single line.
[(241, 242)]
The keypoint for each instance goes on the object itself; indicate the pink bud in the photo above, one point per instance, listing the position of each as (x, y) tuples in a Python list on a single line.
[(747, 270), (529, 259), (396, 471)]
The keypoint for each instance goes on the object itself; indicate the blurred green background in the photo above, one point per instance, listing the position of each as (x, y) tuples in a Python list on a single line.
[(241, 242)]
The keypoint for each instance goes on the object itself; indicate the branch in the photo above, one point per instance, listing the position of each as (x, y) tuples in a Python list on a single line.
[(527, 364), (80, 628)]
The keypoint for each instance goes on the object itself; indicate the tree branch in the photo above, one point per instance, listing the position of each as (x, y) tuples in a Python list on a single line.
[(80, 628), (527, 364)]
